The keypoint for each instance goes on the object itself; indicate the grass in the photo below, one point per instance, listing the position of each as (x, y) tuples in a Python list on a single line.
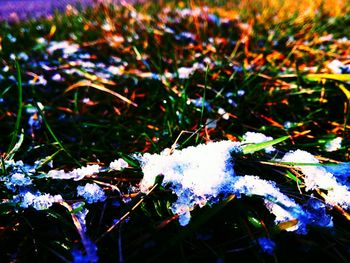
[(206, 70)]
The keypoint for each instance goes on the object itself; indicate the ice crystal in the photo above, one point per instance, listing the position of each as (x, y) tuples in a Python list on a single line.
[(37, 200), (316, 176), (16, 179), (335, 66), (200, 174), (118, 164), (334, 144), (223, 114), (20, 167), (66, 48), (39, 80), (57, 77), (338, 67), (205, 173), (184, 73), (116, 70), (196, 174), (92, 193), (284, 208), (81, 214), (184, 218), (201, 102), (44, 201), (203, 169), (23, 56), (76, 174)]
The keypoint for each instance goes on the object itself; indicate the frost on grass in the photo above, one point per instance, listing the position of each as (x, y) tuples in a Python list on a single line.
[(202, 174), (81, 214), (284, 208), (92, 193), (196, 174), (37, 200), (19, 167), (317, 176), (278, 204), (203, 169), (64, 46), (15, 180), (90, 253), (118, 165), (334, 144), (205, 173), (76, 174)]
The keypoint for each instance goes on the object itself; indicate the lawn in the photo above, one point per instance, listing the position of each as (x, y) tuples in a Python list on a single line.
[(191, 131)]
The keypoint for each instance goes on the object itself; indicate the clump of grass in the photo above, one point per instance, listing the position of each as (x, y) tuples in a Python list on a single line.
[(103, 84)]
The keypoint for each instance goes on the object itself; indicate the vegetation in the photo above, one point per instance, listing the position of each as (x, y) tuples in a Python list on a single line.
[(86, 93)]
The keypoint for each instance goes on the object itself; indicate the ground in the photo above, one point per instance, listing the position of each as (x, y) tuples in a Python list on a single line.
[(183, 131)]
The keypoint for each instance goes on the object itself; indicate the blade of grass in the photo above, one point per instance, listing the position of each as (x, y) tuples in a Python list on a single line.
[(293, 177), (318, 77), (346, 117), (5, 91), (203, 99), (251, 148), (137, 204), (48, 127), (3, 168), (15, 148), (79, 228), (48, 159), (19, 111), (344, 90), (86, 83)]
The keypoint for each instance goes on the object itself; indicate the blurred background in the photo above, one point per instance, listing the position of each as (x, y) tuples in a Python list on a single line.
[(14, 10)]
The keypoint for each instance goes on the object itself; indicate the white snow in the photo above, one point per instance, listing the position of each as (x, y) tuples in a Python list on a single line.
[(317, 176)]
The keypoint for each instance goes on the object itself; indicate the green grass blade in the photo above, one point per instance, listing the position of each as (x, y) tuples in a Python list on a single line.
[(3, 168), (54, 135), (203, 101), (16, 147), (293, 177), (19, 112), (251, 148), (48, 159), (318, 77)]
